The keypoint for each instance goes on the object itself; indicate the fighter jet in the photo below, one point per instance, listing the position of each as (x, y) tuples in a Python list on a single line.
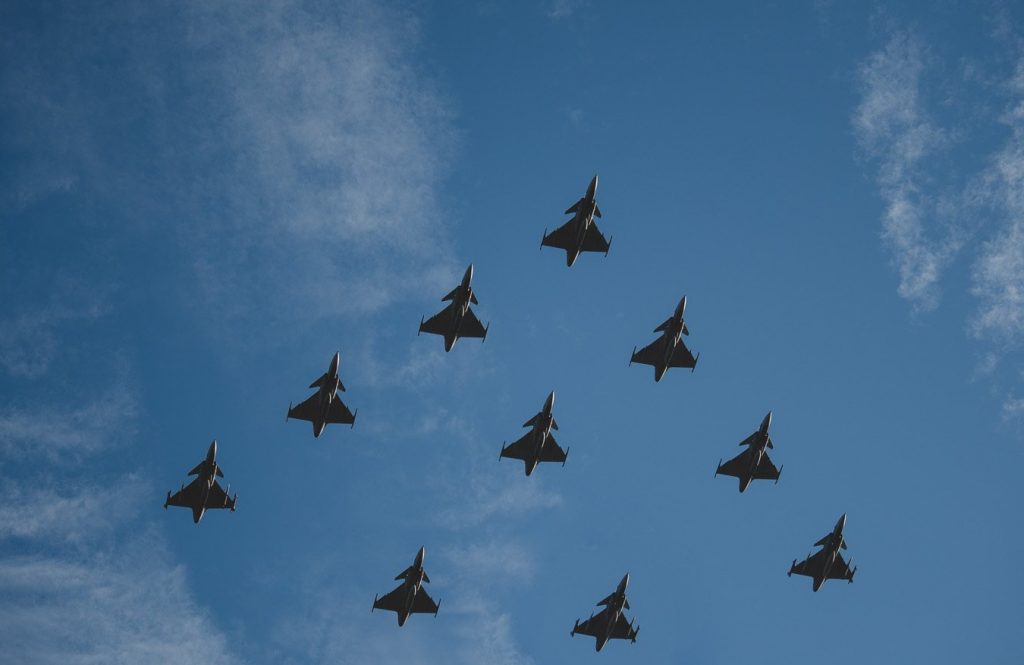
[(668, 350), (204, 492), (410, 597), (609, 623), (538, 445), (753, 462), (579, 234), (324, 406), (457, 319), (827, 563)]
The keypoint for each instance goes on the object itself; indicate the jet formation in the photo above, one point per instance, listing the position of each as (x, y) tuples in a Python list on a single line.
[(457, 319), (754, 461), (827, 563), (610, 623), (324, 406), (669, 349), (409, 597), (580, 234), (204, 492), (538, 445)]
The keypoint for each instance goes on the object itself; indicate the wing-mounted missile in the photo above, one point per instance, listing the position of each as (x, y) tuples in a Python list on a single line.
[(572, 633), (852, 573), (636, 631), (780, 474), (167, 501), (610, 238), (374, 606), (566, 456), (486, 328), (633, 355), (792, 567), (437, 608), (695, 362), (719, 467)]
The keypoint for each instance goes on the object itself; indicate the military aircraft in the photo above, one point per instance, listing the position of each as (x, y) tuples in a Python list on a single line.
[(538, 445), (753, 462), (668, 350), (324, 406), (827, 563), (410, 597), (204, 492), (579, 234), (609, 623), (457, 319)]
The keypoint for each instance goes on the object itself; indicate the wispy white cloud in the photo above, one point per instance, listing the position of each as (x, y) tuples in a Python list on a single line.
[(485, 495), (893, 127), (127, 606), (494, 559), (998, 275), (1013, 408), (79, 431), (28, 340), (73, 513), (340, 140), (558, 9)]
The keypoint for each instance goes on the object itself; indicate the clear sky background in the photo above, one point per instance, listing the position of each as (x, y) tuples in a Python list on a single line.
[(202, 201)]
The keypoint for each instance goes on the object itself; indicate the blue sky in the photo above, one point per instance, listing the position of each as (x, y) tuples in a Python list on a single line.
[(202, 202)]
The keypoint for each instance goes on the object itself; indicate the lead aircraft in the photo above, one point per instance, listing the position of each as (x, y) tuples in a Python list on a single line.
[(580, 234)]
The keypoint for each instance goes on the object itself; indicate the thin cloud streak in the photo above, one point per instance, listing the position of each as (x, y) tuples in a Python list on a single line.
[(998, 275), (893, 128), (339, 141), (128, 607)]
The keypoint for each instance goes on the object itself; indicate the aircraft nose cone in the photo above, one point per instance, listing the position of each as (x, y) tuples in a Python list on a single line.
[(681, 307), (212, 452), (468, 277), (624, 583), (335, 362), (592, 187), (842, 522), (550, 401), (420, 556), (768, 420)]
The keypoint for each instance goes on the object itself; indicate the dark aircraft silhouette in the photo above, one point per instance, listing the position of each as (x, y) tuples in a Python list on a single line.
[(204, 492), (609, 623), (538, 445), (579, 234), (410, 597), (324, 406), (753, 462), (827, 563), (668, 350), (457, 319)]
